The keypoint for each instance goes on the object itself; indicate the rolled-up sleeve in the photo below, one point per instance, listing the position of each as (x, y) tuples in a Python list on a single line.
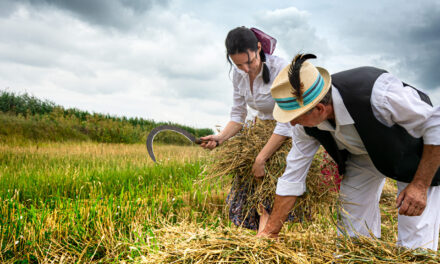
[(299, 159), (394, 103), (239, 107), (283, 129)]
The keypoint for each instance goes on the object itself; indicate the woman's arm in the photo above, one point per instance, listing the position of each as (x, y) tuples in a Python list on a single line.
[(274, 142), (230, 130)]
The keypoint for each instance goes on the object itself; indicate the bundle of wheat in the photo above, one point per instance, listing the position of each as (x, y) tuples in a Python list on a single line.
[(318, 243), (237, 155)]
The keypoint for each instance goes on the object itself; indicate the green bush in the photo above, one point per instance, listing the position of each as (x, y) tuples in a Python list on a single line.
[(24, 117)]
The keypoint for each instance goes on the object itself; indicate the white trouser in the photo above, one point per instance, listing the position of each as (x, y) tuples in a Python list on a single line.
[(360, 193)]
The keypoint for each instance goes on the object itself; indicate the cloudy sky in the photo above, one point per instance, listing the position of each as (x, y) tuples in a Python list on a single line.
[(165, 59)]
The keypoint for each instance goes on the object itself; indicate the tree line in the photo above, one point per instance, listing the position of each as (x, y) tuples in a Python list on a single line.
[(25, 117)]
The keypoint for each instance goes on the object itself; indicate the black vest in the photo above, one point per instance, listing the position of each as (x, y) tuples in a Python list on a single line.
[(394, 152)]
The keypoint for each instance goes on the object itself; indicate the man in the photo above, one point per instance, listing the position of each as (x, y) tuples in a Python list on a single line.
[(374, 126)]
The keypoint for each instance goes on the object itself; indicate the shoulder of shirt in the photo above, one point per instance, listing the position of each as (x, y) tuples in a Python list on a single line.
[(236, 75), (387, 85), (275, 62), (299, 132)]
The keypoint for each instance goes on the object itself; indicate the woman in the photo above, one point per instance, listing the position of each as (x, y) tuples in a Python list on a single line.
[(253, 75)]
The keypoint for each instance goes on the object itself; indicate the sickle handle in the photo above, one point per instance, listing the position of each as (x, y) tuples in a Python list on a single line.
[(199, 141)]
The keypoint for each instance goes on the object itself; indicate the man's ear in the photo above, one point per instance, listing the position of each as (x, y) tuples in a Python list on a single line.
[(320, 107)]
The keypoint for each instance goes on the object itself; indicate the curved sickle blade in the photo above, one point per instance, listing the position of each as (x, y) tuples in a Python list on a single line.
[(158, 129)]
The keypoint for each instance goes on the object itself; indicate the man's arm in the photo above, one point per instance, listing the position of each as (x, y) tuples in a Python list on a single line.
[(293, 181), (281, 208), (394, 103), (412, 199)]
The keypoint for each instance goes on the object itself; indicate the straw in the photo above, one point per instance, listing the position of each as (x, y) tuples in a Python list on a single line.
[(234, 159)]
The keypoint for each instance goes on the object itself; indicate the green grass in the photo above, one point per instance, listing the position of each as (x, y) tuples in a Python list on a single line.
[(92, 202), (88, 202)]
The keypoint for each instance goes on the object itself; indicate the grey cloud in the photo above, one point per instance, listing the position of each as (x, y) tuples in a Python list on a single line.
[(292, 28), (140, 6), (120, 14), (182, 74), (193, 69), (214, 89), (425, 41), (7, 7), (407, 40)]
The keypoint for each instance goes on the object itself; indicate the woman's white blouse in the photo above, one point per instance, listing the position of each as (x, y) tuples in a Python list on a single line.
[(260, 99)]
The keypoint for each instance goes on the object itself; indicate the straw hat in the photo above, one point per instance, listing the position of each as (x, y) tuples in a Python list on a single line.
[(314, 85)]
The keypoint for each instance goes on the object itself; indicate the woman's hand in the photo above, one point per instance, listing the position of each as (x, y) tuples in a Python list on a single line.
[(258, 168), (274, 142), (211, 141)]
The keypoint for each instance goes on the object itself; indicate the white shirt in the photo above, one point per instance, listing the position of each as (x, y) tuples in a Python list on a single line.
[(260, 98), (391, 104)]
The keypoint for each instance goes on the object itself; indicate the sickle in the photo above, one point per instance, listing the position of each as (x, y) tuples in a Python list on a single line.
[(179, 130)]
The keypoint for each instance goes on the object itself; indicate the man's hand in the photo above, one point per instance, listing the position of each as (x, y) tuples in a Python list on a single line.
[(412, 200), (258, 168)]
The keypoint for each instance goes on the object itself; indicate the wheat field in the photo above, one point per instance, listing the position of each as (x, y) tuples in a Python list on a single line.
[(109, 203)]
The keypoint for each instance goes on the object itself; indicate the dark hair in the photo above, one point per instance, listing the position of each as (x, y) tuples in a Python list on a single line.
[(242, 39), (327, 99)]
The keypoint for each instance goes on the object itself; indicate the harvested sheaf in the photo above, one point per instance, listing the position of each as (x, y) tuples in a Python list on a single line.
[(191, 243), (237, 155)]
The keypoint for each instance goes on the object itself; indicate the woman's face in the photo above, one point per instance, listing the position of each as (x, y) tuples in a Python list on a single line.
[(249, 62)]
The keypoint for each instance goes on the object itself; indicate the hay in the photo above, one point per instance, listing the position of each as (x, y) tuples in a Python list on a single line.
[(192, 243), (237, 155), (314, 241)]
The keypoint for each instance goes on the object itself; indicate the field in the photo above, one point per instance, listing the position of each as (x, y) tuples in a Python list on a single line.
[(108, 203)]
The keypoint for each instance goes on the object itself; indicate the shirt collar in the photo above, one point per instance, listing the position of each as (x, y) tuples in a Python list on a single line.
[(342, 117)]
